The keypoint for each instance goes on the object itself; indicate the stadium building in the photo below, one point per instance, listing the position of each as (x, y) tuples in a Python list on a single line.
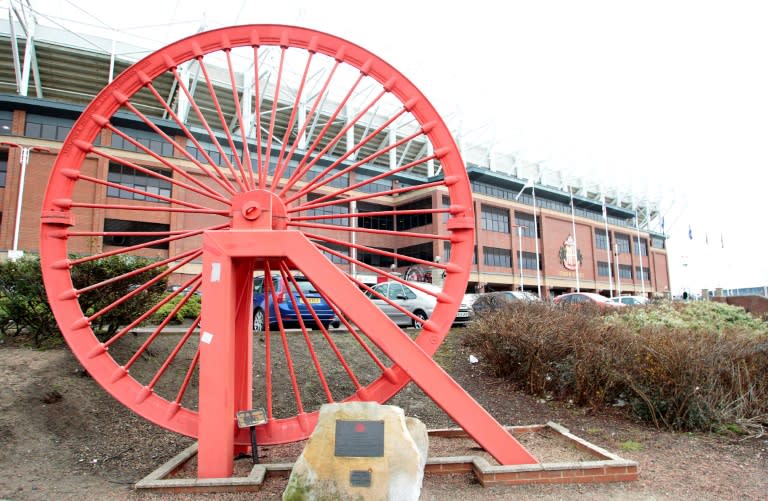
[(535, 230)]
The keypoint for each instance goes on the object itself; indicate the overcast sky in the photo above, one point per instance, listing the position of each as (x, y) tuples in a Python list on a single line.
[(668, 98)]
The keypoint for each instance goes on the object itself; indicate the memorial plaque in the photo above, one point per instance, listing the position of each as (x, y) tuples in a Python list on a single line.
[(246, 419), (360, 478), (359, 439)]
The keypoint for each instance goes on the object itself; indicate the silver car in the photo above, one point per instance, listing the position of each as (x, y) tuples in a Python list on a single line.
[(418, 303)]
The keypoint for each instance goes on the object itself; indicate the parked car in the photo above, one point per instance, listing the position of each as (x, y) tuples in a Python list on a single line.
[(630, 300), (285, 305), (494, 301), (413, 300), (584, 298)]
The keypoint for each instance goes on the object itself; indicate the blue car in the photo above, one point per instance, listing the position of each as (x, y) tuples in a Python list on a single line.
[(285, 305)]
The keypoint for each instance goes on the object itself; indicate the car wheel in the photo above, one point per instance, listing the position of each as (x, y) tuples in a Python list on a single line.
[(418, 324), (258, 320)]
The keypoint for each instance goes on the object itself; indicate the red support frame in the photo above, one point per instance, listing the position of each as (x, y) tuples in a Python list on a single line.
[(225, 345)]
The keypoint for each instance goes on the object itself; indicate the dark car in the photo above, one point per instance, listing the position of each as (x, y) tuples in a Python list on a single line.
[(494, 301), (285, 305), (586, 298)]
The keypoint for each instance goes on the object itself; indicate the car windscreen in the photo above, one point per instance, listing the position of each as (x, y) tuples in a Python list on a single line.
[(304, 285)]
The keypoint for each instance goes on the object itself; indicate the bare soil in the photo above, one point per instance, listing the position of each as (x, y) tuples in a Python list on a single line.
[(62, 437)]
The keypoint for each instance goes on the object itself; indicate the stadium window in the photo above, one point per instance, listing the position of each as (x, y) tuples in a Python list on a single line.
[(494, 218), (376, 186), (124, 226), (374, 259), (6, 122), (642, 272), (131, 178), (641, 246), (3, 167), (375, 222), (424, 251), (493, 256), (51, 128), (657, 242), (529, 261), (622, 243), (150, 140), (409, 221), (338, 182), (525, 221), (328, 210), (625, 271), (603, 269), (340, 249), (601, 240)]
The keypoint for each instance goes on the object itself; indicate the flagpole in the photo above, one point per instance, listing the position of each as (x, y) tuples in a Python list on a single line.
[(608, 247), (618, 269), (520, 253), (575, 242), (529, 183), (536, 236), (640, 254)]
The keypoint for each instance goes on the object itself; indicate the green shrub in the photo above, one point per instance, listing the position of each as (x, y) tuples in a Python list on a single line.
[(24, 310), (190, 309), (685, 367), (25, 313)]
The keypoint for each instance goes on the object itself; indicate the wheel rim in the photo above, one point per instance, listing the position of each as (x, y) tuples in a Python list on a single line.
[(418, 324), (258, 321), (349, 98)]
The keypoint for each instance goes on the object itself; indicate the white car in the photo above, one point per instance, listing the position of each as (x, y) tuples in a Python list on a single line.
[(630, 300), (412, 300)]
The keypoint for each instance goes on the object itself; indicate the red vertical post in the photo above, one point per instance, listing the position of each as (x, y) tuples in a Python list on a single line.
[(225, 357)]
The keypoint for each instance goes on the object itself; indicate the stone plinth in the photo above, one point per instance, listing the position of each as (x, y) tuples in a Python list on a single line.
[(361, 450)]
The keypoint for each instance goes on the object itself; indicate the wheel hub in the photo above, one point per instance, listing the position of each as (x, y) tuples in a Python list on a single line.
[(258, 209)]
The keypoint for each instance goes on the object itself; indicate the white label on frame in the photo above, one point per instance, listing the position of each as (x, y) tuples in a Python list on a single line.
[(215, 272), (206, 338)]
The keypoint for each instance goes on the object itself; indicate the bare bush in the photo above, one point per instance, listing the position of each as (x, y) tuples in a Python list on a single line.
[(676, 377)]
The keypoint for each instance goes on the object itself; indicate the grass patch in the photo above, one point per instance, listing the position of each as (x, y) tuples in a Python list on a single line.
[(630, 446)]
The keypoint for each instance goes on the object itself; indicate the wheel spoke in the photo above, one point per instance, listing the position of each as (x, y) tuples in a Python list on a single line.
[(193, 104), (156, 332), (368, 196), (318, 100), (124, 250), (248, 181), (353, 331), (206, 191), (287, 354), (139, 290), (310, 346), (312, 184), (224, 127), (185, 383), (262, 168), (373, 250), (273, 117), (304, 166), (377, 177), (428, 236), (174, 353), (220, 178), (282, 160)]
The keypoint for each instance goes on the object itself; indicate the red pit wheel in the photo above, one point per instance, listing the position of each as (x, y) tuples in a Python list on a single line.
[(259, 136)]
